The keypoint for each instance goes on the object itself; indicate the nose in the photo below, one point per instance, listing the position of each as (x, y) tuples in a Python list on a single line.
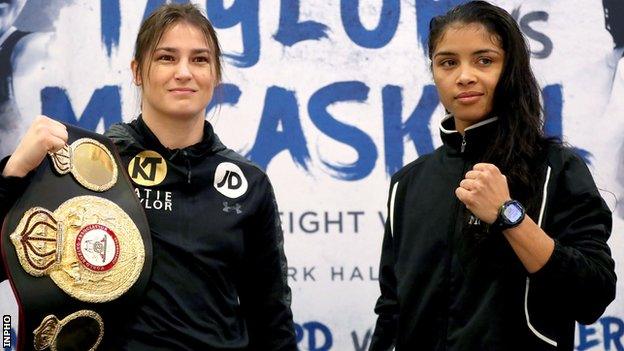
[(183, 72), (466, 75)]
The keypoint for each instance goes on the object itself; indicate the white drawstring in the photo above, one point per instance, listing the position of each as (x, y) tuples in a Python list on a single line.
[(528, 280), (391, 214)]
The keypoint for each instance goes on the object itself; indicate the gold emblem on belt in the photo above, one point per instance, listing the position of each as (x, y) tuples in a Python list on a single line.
[(57, 335), (89, 161), (88, 246)]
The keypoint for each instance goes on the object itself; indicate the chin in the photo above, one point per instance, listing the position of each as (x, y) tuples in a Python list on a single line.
[(471, 119), (185, 111), (475, 115), (184, 115)]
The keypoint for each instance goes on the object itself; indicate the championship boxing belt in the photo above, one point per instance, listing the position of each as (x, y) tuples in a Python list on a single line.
[(76, 247)]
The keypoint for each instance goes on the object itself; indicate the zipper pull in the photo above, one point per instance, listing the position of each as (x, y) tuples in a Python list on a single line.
[(463, 144), (188, 167)]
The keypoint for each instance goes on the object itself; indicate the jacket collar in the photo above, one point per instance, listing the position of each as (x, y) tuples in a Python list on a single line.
[(209, 144), (475, 140)]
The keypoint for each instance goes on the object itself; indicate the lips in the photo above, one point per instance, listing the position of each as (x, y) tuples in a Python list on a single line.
[(182, 90), (468, 97), (183, 93), (468, 94)]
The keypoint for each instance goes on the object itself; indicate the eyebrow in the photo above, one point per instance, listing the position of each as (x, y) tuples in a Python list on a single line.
[(174, 50), (478, 52)]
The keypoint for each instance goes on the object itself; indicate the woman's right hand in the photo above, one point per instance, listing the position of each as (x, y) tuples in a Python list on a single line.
[(44, 135)]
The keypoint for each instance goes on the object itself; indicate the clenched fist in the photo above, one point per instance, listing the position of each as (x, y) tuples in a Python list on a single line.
[(484, 190)]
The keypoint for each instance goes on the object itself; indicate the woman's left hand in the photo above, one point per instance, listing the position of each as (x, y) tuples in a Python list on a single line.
[(484, 190)]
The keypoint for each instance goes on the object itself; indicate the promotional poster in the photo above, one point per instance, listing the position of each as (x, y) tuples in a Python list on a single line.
[(330, 98)]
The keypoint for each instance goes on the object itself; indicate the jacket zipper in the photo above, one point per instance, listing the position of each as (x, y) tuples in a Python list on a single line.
[(188, 167), (463, 144), (458, 214)]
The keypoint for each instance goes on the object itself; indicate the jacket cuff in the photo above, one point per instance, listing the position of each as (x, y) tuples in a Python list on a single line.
[(11, 187), (553, 265)]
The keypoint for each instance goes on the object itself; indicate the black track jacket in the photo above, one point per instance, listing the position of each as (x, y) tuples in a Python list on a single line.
[(219, 272), (444, 290)]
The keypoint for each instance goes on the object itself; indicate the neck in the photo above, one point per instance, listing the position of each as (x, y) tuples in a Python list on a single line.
[(461, 126), (175, 133)]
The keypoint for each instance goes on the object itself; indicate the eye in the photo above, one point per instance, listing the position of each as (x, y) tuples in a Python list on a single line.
[(165, 58), (201, 59), (447, 63), (485, 61)]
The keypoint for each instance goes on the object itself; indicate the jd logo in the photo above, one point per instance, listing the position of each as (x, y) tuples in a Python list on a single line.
[(233, 179), (229, 180), (147, 168)]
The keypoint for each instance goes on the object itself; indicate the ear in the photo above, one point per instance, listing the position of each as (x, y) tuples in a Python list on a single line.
[(136, 77)]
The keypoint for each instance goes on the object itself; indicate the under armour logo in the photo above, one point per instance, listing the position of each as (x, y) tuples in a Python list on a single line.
[(235, 207)]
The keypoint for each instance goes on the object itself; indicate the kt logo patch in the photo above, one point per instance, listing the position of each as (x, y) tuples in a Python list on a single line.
[(229, 180), (148, 168)]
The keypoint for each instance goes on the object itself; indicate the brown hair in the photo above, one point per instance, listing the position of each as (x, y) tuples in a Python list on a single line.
[(163, 18)]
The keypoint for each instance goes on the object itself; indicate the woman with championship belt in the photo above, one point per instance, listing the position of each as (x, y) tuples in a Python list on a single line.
[(218, 279)]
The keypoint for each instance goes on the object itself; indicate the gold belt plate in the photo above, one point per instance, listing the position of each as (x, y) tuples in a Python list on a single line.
[(89, 247), (57, 334), (89, 161)]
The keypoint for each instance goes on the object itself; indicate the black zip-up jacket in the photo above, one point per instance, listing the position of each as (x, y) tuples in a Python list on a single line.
[(219, 271), (442, 289)]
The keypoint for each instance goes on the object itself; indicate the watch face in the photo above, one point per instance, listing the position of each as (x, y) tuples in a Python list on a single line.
[(512, 213)]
